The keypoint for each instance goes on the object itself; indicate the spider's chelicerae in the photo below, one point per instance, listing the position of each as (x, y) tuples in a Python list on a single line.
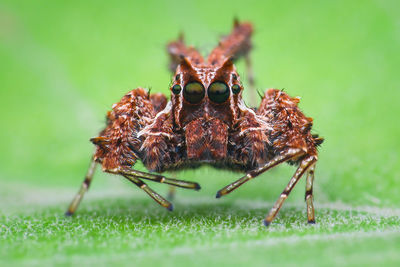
[(206, 122)]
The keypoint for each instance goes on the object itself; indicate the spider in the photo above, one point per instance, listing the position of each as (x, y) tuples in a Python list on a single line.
[(206, 122)]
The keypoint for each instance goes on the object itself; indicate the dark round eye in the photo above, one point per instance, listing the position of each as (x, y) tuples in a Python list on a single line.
[(218, 92), (236, 88), (176, 89), (193, 92)]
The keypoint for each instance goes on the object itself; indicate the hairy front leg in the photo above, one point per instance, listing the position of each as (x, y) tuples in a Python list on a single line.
[(288, 139), (291, 128), (118, 146)]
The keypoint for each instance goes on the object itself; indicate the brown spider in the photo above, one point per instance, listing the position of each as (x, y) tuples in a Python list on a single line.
[(206, 122)]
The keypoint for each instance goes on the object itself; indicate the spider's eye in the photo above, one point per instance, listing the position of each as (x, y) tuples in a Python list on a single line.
[(236, 88), (218, 92), (176, 89), (193, 92)]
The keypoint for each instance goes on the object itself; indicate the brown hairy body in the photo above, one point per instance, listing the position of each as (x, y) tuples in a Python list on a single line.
[(206, 122)]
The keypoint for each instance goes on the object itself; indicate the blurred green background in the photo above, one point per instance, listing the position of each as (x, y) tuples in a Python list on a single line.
[(64, 63)]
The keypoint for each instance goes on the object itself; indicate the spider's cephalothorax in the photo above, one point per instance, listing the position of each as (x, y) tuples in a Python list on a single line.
[(206, 121)]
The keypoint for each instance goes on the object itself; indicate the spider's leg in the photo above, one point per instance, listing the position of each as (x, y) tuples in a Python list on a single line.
[(304, 166), (293, 153), (233, 46), (171, 189), (171, 192), (84, 187), (134, 178), (290, 154), (250, 78), (309, 194), (250, 74), (160, 179), (178, 49), (154, 195)]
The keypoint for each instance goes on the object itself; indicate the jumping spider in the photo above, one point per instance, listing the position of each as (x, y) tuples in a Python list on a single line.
[(206, 122)]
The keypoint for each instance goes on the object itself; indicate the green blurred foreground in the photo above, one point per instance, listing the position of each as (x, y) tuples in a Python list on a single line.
[(62, 66)]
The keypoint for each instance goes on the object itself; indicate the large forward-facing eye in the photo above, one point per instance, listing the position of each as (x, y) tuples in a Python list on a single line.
[(193, 92), (218, 92)]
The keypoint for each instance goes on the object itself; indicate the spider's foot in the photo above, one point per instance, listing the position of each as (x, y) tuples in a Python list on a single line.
[(197, 187), (170, 207), (68, 213)]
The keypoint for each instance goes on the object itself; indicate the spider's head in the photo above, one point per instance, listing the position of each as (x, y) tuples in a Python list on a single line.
[(206, 91)]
